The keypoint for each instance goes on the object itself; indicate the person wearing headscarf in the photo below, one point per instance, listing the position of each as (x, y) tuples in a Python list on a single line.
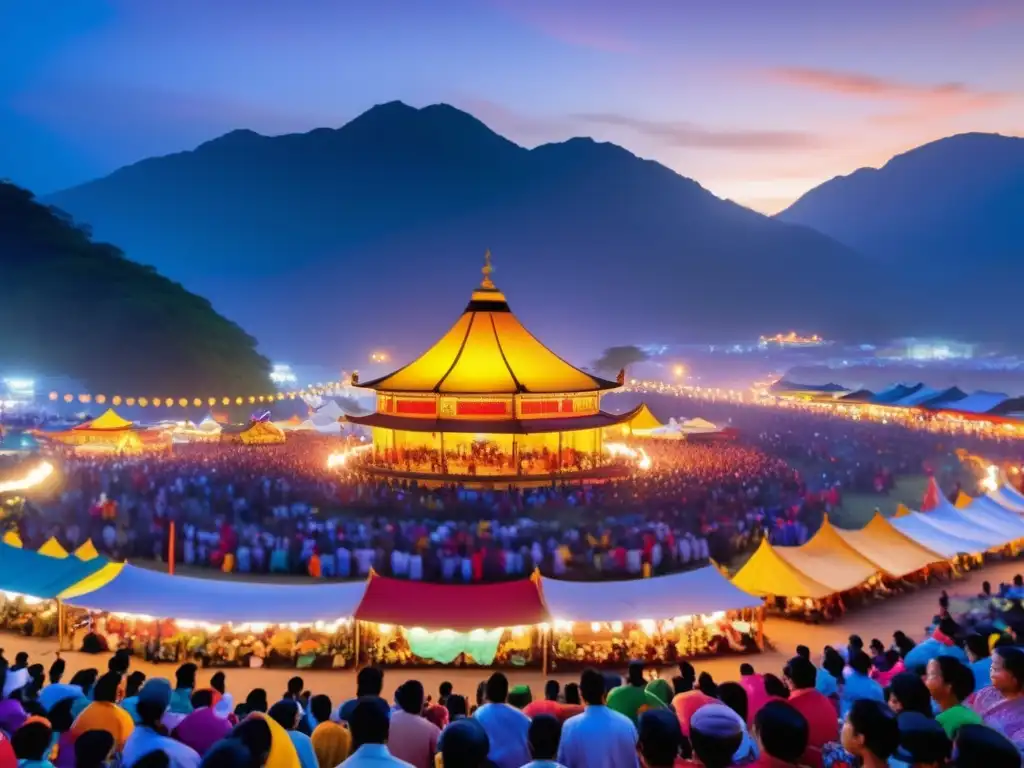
[(84, 679), (204, 727), (104, 714), (331, 743), (230, 753), (282, 750), (93, 750)]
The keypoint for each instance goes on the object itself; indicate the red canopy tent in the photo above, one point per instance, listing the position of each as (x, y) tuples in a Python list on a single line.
[(451, 606)]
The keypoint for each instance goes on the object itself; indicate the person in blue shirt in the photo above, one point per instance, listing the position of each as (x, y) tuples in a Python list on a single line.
[(859, 685), (980, 660)]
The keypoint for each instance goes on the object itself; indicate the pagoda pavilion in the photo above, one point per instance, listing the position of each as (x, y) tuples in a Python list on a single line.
[(488, 401)]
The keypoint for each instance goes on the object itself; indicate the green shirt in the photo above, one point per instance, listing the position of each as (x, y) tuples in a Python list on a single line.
[(632, 701), (954, 717)]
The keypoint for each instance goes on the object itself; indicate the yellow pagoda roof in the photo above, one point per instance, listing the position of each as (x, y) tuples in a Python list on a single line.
[(488, 351), (107, 421)]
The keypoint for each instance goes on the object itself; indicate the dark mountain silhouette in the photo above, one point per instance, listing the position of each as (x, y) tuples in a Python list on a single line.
[(946, 211), (78, 308), (333, 242)]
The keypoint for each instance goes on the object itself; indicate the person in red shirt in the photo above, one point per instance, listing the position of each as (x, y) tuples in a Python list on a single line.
[(550, 704), (7, 757), (816, 708)]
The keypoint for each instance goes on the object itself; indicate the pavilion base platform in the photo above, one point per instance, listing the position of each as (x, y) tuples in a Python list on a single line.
[(568, 477)]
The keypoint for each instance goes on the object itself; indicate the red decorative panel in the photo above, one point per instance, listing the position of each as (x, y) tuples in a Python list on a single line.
[(539, 407), (417, 407), (567, 405), (482, 408)]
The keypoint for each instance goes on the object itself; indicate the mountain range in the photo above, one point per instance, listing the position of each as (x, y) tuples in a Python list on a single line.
[(947, 211), (328, 244)]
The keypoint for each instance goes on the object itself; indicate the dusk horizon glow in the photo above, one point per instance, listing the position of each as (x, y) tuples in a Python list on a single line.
[(758, 104)]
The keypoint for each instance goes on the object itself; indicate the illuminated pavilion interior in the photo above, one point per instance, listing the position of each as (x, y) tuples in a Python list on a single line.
[(489, 386)]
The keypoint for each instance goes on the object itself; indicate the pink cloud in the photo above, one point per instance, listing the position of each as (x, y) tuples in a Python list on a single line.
[(916, 101)]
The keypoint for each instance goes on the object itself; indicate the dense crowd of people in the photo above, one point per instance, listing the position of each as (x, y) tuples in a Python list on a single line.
[(954, 699), (278, 509)]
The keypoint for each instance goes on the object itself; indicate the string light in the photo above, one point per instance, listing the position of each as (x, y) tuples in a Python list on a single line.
[(329, 388)]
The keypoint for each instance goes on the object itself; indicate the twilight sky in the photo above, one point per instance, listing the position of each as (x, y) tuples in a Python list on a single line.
[(757, 100)]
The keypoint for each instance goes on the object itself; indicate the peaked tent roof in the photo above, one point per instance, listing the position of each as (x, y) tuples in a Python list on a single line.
[(948, 517), (915, 527), (138, 590), (893, 552), (829, 560), (488, 351), (465, 608), (87, 551), (1008, 497), (766, 573), (988, 514), (644, 419), (53, 548), (30, 573), (962, 500), (108, 421), (702, 591)]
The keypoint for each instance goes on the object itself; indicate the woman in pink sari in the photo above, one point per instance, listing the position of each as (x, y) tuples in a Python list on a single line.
[(1001, 705)]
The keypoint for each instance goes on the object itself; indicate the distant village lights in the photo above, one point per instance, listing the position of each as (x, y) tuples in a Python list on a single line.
[(379, 357), (282, 374)]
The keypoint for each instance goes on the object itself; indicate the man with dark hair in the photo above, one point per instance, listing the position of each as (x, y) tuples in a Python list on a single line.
[(507, 727), (858, 684), (660, 738), (923, 742), (320, 709), (599, 737), (816, 707), (149, 734), (370, 729), (32, 742), (369, 684), (633, 698), (443, 692), (287, 714), (181, 699), (412, 738), (464, 744), (104, 714), (781, 732), (545, 733), (870, 733)]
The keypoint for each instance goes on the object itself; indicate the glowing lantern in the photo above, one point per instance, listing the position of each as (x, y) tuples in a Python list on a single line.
[(197, 402), (54, 395), (68, 398), (252, 399), (116, 399), (84, 398), (238, 401), (101, 399), (183, 402), (212, 401), (226, 401)]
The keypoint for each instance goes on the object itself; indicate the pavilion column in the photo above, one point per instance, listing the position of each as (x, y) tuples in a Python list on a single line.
[(559, 452), (515, 453), (444, 468)]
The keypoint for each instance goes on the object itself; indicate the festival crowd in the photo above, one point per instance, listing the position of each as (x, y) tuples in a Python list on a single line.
[(278, 509), (954, 699)]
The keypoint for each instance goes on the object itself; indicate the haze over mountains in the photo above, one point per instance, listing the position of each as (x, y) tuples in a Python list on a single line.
[(372, 236), (949, 210)]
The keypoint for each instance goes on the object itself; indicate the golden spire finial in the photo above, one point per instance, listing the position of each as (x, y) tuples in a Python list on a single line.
[(487, 282)]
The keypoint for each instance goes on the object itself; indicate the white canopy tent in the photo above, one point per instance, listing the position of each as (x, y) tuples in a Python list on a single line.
[(704, 591), (915, 527)]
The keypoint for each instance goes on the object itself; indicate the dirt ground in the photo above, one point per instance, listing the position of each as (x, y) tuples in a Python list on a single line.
[(911, 613)]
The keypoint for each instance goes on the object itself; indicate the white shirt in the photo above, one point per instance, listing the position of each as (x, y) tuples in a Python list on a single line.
[(373, 755), (598, 738)]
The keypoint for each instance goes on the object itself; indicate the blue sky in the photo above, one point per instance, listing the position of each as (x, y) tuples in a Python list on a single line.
[(758, 101)]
